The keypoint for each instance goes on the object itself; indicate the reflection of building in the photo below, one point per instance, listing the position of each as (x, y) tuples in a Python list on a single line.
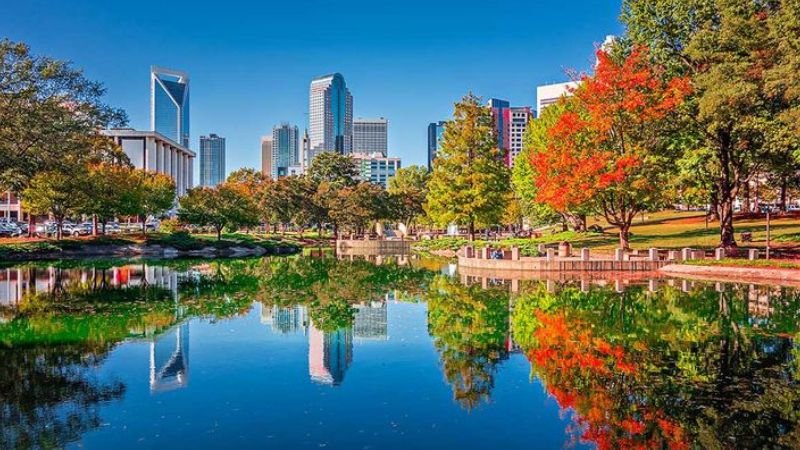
[(169, 359), (371, 321), (329, 354), (285, 320)]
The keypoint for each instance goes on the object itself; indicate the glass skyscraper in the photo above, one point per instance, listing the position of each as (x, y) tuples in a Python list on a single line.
[(435, 135), (371, 136), (330, 116), (169, 104), (285, 149), (212, 160)]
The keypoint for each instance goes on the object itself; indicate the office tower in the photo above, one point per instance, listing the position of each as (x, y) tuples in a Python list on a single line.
[(285, 149), (371, 136), (150, 150), (549, 94), (510, 124), (212, 160), (330, 116), (169, 104), (266, 156), (376, 168), (435, 136)]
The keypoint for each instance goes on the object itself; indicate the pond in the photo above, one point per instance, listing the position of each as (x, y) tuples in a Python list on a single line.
[(308, 352)]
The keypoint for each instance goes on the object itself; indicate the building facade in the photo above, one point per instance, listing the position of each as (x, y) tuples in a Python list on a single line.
[(371, 136), (510, 125), (435, 136), (212, 160), (152, 151), (266, 156), (330, 116), (550, 94), (285, 149), (376, 168), (169, 104), (10, 207)]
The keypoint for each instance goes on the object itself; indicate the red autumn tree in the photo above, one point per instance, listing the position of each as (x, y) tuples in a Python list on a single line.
[(610, 150)]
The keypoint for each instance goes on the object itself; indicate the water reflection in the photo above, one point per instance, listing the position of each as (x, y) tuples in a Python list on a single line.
[(631, 361)]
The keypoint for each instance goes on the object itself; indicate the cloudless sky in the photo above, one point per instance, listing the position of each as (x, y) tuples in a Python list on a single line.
[(250, 63)]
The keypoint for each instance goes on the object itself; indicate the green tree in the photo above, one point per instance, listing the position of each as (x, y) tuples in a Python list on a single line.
[(409, 187), (112, 191), (340, 170), (735, 52), (222, 206), (56, 193), (48, 112), (469, 181), (156, 195)]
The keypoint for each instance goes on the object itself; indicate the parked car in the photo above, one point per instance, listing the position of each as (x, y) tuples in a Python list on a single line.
[(113, 228), (45, 230), (9, 229)]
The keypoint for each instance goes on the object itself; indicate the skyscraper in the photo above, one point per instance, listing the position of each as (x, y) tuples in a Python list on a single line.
[(285, 149), (371, 136), (169, 104), (435, 135), (212, 160), (330, 116), (266, 156), (550, 94), (510, 124)]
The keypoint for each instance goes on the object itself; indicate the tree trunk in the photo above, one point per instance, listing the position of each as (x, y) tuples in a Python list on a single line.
[(219, 233), (144, 227), (625, 237), (746, 196), (58, 229), (94, 224), (727, 238), (31, 225), (784, 189), (471, 230)]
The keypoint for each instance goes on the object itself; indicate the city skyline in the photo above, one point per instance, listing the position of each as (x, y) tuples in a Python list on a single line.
[(396, 64)]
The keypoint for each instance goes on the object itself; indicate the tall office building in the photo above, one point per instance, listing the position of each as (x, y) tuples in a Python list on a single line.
[(266, 156), (435, 136), (212, 160), (371, 136), (285, 149), (510, 124), (330, 116), (169, 104)]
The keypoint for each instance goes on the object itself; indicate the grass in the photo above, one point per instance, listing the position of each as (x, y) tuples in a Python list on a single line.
[(20, 249), (761, 263), (666, 230)]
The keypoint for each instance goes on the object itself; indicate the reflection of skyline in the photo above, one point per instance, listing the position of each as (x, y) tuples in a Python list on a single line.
[(371, 321), (169, 359), (330, 354), (285, 320)]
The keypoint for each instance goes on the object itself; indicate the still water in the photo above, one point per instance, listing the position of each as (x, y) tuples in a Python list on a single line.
[(319, 353)]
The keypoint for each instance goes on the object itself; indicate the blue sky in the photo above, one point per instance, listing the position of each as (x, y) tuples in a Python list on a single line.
[(250, 63)]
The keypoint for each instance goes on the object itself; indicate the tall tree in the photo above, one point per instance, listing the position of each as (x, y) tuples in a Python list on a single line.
[(469, 181), (333, 168), (609, 150), (729, 50), (222, 206), (55, 193), (47, 111), (156, 195), (409, 187)]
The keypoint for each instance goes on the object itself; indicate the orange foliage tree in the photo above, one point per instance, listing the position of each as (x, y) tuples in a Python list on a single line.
[(609, 149)]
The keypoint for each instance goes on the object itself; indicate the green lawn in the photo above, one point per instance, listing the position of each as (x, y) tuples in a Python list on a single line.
[(667, 230)]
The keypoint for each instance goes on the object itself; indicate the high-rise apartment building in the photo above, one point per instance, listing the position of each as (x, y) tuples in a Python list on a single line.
[(435, 135), (266, 156), (212, 160), (376, 168), (285, 149), (330, 116), (169, 104), (510, 124), (371, 136)]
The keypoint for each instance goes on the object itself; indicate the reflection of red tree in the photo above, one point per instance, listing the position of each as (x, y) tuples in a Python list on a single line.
[(602, 385)]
